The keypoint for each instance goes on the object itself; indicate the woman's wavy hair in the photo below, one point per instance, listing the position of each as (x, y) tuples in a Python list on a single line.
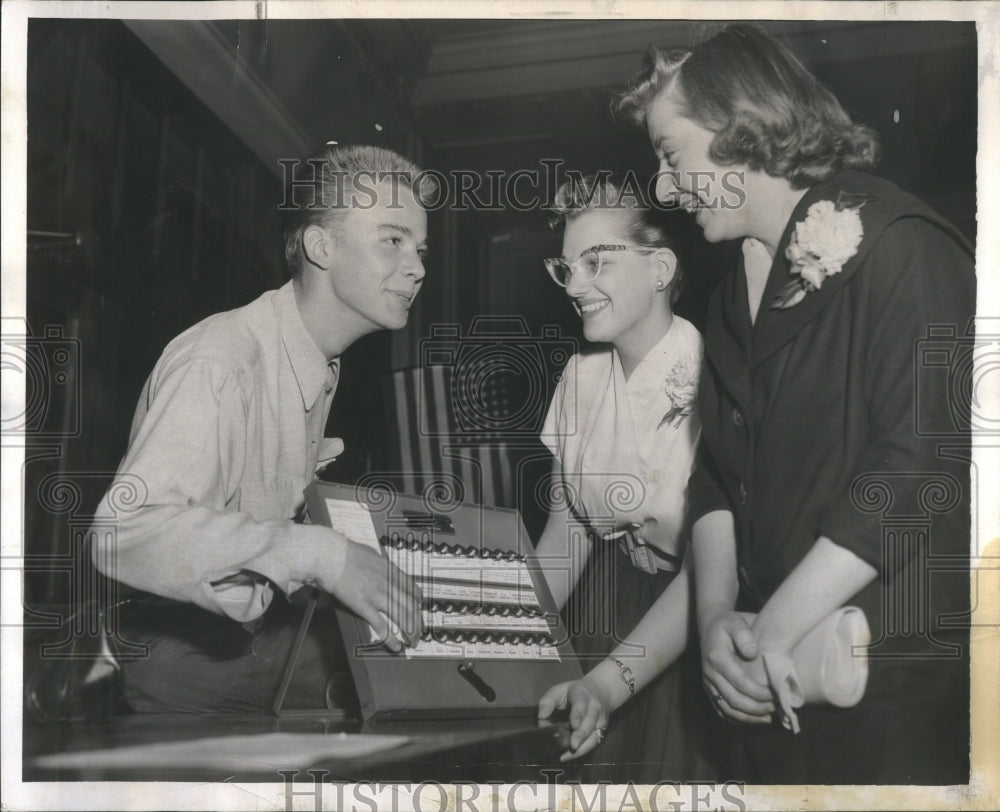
[(766, 110), (626, 198)]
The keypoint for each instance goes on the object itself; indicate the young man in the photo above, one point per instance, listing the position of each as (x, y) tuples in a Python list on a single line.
[(229, 431)]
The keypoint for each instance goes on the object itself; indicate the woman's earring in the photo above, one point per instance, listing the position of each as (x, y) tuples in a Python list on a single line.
[(660, 284)]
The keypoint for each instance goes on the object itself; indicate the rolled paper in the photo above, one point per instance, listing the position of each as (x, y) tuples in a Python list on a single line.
[(828, 666)]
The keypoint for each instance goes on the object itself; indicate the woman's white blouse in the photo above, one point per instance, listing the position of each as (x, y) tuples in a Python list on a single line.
[(621, 462)]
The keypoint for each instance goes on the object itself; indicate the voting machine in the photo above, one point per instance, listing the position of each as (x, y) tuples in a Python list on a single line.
[(493, 640)]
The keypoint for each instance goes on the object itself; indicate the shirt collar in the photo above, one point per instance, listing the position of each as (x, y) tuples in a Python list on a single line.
[(311, 369)]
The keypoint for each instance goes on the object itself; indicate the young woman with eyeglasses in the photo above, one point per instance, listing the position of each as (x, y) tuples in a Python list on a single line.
[(623, 427)]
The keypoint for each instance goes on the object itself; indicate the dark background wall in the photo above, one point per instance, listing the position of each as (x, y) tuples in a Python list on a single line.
[(167, 211), (166, 218)]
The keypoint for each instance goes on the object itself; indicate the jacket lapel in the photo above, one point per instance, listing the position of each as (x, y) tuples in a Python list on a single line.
[(775, 328)]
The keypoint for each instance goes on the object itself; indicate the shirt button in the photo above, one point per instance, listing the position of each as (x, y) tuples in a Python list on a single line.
[(738, 417)]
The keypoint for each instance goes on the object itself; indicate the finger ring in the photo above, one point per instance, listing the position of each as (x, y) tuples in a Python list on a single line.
[(717, 699), (601, 731)]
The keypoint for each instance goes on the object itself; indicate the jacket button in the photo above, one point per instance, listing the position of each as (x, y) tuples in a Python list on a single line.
[(743, 494), (738, 417)]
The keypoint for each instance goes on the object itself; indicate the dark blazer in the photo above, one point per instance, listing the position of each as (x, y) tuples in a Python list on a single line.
[(846, 416)]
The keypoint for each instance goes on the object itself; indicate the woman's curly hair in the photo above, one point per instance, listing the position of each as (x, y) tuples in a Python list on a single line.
[(626, 198), (767, 111)]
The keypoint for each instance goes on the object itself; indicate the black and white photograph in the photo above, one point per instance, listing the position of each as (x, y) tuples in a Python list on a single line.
[(581, 406)]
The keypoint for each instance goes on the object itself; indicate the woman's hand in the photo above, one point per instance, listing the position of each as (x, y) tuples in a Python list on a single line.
[(733, 670), (589, 709)]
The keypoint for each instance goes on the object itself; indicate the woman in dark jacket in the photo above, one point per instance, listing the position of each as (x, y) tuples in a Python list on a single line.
[(835, 460)]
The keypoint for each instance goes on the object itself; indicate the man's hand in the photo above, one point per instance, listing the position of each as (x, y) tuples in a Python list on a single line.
[(733, 671), (380, 593)]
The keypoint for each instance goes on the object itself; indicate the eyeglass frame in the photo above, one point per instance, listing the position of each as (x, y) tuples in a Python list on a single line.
[(552, 261)]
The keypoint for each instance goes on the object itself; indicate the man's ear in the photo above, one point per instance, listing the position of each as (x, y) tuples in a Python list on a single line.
[(668, 267), (318, 246)]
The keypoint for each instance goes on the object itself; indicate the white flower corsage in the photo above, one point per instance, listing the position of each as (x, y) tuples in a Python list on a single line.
[(820, 245), (682, 389)]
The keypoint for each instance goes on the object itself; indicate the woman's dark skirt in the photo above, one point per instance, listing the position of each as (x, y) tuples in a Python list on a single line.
[(667, 731)]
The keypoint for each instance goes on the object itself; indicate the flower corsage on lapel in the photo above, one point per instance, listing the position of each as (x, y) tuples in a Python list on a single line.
[(820, 245), (682, 390)]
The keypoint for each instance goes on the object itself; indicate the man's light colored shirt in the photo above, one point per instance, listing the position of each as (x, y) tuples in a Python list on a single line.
[(227, 433)]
